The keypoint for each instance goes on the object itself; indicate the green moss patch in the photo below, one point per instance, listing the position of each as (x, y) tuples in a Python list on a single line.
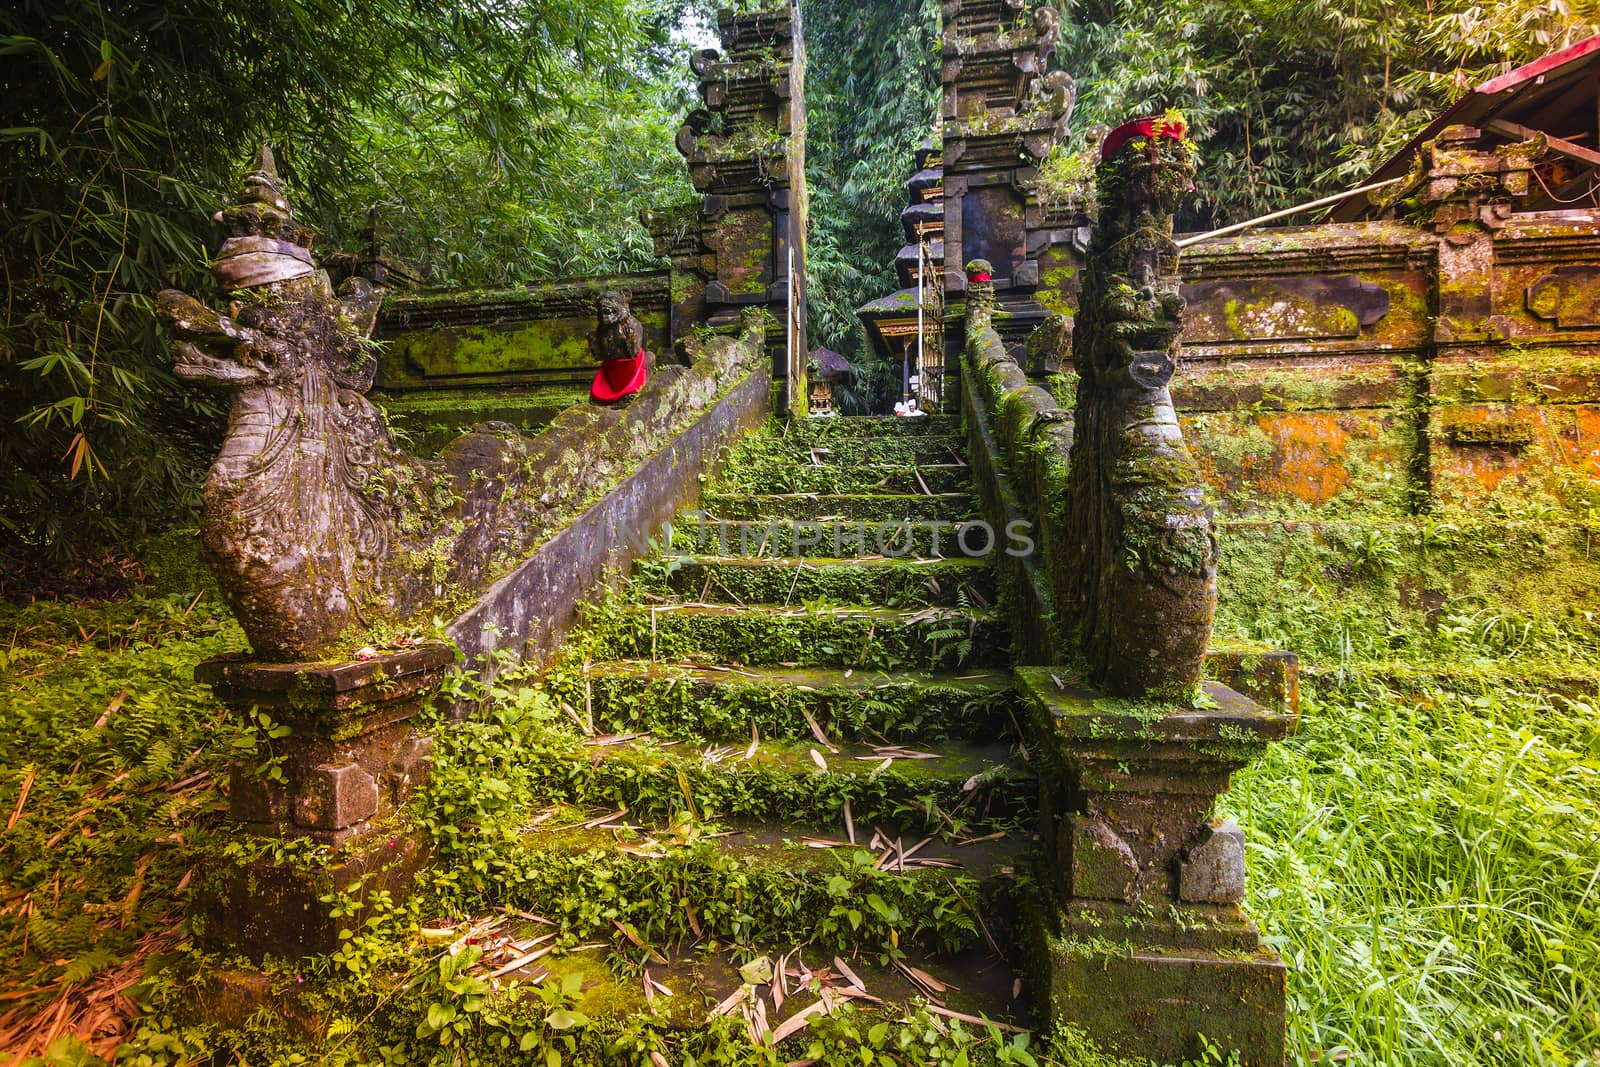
[(727, 705), (874, 639)]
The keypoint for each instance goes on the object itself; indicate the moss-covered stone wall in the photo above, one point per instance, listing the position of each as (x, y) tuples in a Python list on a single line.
[(450, 361), (1323, 374), (494, 338), (1396, 419), (1372, 450)]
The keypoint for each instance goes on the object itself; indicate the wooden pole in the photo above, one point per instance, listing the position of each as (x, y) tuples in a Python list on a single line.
[(1238, 227)]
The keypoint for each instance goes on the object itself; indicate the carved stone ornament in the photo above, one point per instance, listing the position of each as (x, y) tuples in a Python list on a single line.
[(314, 521), (1569, 297), (1248, 311)]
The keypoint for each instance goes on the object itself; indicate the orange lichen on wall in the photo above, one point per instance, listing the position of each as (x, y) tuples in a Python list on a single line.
[(1586, 440), (1266, 459), (1309, 456), (1483, 444)]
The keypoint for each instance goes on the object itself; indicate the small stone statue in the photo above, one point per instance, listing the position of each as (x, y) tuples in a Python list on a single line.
[(1049, 346), (618, 343)]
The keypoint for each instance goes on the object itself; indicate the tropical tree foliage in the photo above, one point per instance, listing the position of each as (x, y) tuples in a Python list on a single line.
[(1295, 99), (501, 138)]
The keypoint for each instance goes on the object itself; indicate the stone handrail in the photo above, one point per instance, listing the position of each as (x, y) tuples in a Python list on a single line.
[(321, 530)]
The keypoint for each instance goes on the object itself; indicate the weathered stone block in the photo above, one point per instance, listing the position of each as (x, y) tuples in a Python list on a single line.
[(253, 799), (336, 797), (1212, 869), (264, 908), (1149, 948), (1269, 676), (1155, 1002), (1099, 865)]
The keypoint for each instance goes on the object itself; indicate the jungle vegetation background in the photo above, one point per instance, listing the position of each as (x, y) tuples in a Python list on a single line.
[(503, 141)]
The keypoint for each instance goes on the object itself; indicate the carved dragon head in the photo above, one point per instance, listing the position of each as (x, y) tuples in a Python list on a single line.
[(283, 319)]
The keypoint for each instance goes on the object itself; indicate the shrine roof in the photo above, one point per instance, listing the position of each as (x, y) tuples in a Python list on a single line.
[(1557, 95)]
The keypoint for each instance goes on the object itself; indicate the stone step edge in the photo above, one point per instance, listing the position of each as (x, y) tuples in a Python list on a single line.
[(955, 759), (995, 855), (886, 614), (786, 677)]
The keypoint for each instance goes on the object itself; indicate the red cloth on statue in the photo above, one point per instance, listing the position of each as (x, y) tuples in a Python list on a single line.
[(1149, 129), (618, 378)]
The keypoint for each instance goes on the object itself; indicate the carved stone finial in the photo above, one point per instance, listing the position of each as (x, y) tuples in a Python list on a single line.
[(980, 293), (262, 185), (1145, 590), (264, 242)]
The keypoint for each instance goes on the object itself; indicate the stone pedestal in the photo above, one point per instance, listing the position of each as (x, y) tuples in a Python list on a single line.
[(1144, 945), (351, 757)]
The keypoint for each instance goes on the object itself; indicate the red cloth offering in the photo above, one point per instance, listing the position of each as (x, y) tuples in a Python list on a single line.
[(618, 378), (1149, 128)]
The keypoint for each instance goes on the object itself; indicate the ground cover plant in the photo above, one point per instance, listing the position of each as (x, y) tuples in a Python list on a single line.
[(1422, 855), (112, 776)]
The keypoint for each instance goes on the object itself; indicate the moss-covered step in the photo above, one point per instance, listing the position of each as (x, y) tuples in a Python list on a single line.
[(771, 635), (924, 448), (782, 883), (689, 981), (903, 539), (903, 478), (856, 507), (727, 704), (891, 582), (1224, 726), (834, 428), (1573, 679), (960, 789)]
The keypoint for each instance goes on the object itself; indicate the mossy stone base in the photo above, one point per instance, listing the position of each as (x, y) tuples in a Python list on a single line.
[(266, 907), (1157, 1002)]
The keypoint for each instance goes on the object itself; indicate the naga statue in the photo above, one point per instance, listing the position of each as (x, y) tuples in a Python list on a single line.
[(314, 521), (1144, 588), (318, 526)]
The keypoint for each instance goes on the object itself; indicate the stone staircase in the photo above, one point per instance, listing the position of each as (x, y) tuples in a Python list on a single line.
[(814, 740)]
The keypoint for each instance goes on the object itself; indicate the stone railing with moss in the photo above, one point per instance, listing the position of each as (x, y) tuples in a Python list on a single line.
[(1139, 938), (340, 553)]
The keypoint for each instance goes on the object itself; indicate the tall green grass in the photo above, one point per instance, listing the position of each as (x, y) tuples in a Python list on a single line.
[(1428, 865)]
